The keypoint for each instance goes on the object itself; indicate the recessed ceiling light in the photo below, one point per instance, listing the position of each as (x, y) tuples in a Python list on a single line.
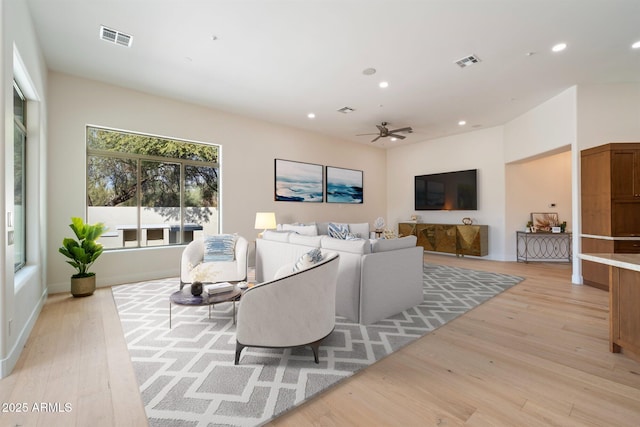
[(636, 45), (559, 47), (311, 116), (462, 123), (394, 139), (369, 71), (384, 84)]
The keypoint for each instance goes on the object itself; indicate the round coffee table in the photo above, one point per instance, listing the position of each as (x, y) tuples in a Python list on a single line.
[(184, 297)]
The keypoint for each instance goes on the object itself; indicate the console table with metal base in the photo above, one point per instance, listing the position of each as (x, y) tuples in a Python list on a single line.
[(543, 247)]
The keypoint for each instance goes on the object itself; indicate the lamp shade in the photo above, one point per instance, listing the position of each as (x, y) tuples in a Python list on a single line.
[(265, 220)]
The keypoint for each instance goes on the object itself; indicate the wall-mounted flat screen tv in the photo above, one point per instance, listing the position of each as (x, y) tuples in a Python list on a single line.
[(449, 191)]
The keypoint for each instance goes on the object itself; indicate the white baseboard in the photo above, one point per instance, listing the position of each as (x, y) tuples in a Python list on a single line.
[(7, 364)]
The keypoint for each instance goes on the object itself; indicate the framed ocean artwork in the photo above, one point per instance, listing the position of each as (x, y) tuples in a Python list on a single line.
[(344, 185), (298, 182)]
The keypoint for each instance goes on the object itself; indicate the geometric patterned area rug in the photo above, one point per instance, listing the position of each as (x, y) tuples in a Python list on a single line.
[(187, 376)]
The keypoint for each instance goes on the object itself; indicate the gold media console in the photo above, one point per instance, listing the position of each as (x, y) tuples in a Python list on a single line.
[(449, 238)]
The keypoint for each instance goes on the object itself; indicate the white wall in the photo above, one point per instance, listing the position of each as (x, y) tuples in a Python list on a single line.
[(531, 186), (482, 150), (249, 148), (608, 113), (544, 129), (23, 293)]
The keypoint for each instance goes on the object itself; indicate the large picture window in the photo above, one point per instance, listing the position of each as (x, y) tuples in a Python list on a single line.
[(151, 191), (19, 174)]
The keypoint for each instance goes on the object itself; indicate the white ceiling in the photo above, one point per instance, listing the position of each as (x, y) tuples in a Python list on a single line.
[(278, 60)]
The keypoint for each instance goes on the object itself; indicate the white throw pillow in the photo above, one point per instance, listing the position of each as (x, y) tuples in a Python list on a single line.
[(307, 260), (307, 230)]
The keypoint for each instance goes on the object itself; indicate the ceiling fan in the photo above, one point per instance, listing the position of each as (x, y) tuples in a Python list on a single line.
[(384, 132)]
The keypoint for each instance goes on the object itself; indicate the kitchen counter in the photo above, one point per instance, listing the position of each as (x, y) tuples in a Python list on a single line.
[(628, 261), (624, 301)]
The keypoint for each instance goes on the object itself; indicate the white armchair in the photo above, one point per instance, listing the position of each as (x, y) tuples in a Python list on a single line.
[(221, 271), (294, 310)]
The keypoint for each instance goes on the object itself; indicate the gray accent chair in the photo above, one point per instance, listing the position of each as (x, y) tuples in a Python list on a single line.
[(296, 309), (225, 271)]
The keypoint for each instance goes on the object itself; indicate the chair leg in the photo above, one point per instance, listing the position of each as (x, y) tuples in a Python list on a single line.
[(239, 348), (315, 347)]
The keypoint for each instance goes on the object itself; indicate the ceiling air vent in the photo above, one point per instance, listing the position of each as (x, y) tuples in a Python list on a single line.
[(467, 61), (115, 37), (346, 110)]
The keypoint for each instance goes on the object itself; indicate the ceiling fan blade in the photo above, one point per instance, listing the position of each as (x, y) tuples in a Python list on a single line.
[(376, 138), (393, 135), (407, 129), (365, 134), (381, 128)]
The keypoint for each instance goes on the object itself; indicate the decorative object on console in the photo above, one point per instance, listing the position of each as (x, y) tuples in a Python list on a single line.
[(344, 185), (265, 221), (467, 221), (378, 226), (389, 234), (543, 221), (298, 182)]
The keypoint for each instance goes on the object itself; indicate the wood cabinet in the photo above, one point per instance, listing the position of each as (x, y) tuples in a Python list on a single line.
[(625, 176), (610, 193), (623, 311), (449, 238)]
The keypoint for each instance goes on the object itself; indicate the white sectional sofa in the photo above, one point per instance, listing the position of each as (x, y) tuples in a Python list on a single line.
[(376, 278)]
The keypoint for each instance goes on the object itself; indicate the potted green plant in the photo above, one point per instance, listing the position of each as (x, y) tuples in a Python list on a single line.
[(83, 253)]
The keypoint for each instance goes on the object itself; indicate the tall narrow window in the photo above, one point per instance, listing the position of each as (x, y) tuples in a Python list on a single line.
[(150, 191), (19, 174)]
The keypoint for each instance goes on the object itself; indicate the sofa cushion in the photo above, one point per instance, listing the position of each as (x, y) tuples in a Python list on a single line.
[(358, 246), (300, 239), (220, 247), (306, 229), (383, 245), (308, 259), (278, 236)]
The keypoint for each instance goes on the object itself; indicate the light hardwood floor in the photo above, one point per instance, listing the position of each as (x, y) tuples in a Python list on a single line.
[(535, 355)]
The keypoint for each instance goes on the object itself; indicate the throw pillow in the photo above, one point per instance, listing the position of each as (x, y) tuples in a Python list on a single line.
[(312, 257), (338, 231), (220, 247), (308, 230)]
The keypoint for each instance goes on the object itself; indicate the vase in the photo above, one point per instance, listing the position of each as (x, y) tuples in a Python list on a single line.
[(196, 289)]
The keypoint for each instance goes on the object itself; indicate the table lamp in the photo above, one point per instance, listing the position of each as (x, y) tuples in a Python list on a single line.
[(265, 221)]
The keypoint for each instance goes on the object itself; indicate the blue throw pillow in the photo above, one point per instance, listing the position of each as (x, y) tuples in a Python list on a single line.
[(338, 231), (221, 247)]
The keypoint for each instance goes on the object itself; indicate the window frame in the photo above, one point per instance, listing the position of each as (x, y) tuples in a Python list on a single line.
[(19, 223)]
